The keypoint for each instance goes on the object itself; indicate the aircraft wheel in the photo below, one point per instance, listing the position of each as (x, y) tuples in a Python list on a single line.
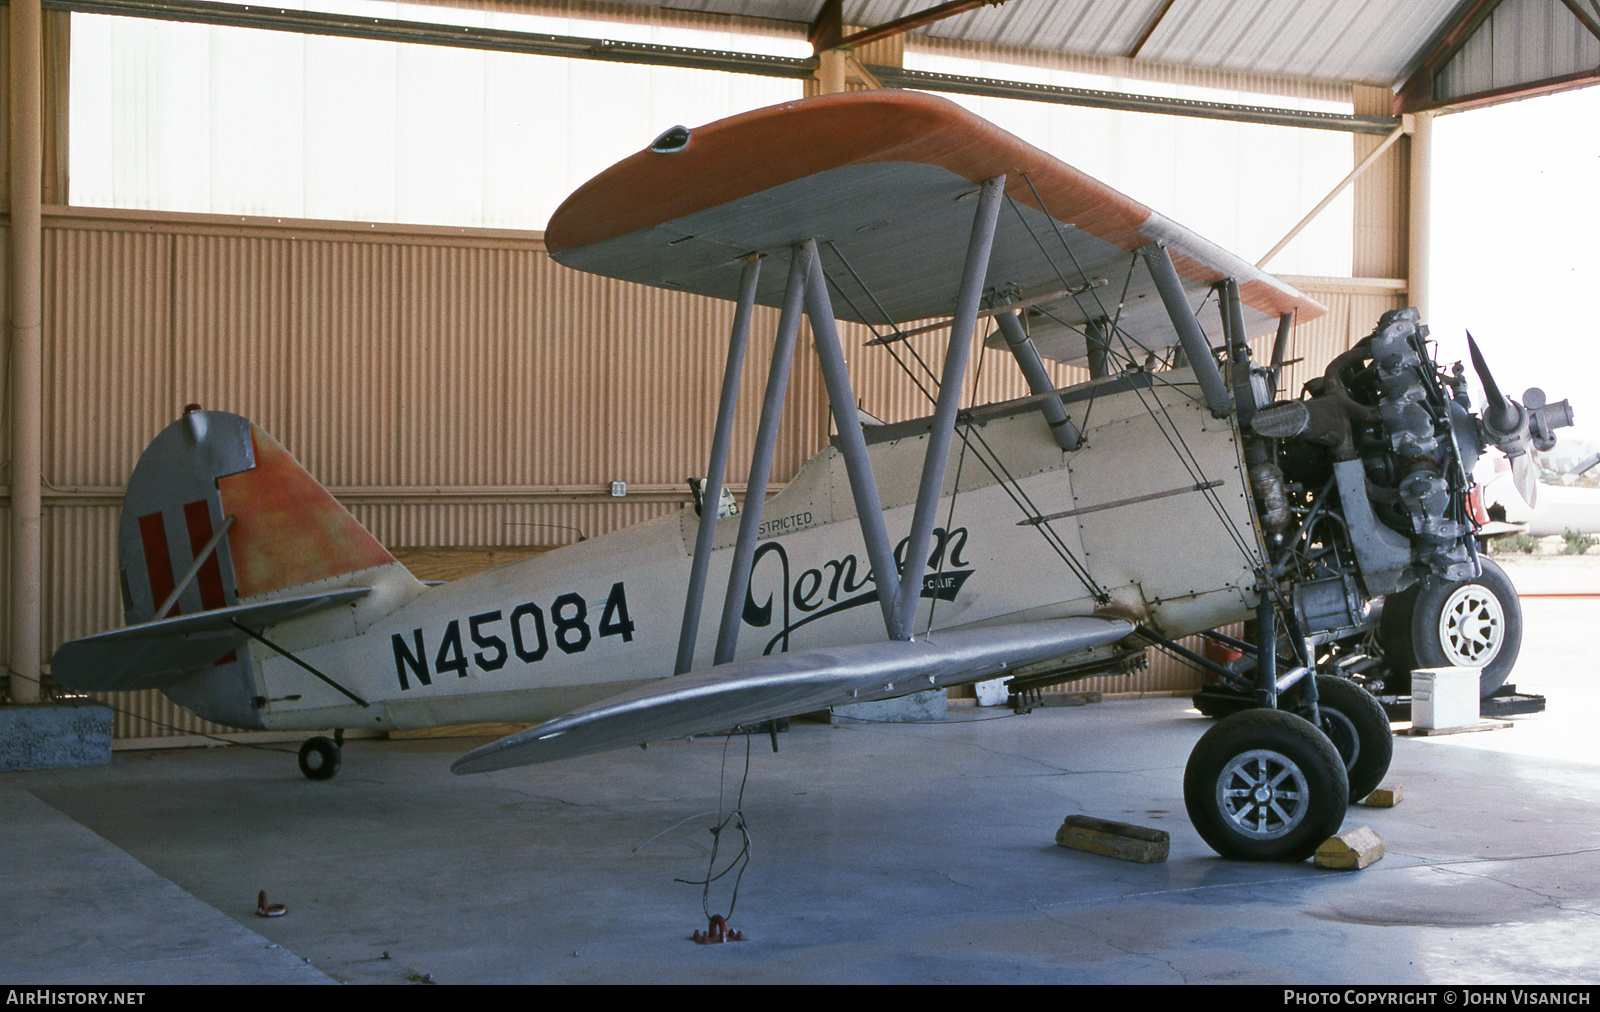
[(1265, 785), (319, 758), (1354, 721), (1471, 624)]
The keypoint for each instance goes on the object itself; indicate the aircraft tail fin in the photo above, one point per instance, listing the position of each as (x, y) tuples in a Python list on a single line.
[(218, 516), (214, 480)]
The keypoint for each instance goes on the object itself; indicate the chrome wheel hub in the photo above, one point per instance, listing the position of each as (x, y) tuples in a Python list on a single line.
[(1263, 794)]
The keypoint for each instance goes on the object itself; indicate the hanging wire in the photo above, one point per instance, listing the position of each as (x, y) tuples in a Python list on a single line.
[(740, 861)]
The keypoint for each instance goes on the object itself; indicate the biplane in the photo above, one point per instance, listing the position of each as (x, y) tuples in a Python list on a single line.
[(1050, 536)]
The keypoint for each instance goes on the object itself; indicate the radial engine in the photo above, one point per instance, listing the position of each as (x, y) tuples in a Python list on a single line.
[(1362, 485)]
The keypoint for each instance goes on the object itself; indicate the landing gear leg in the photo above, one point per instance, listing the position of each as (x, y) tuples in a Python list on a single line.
[(319, 757)]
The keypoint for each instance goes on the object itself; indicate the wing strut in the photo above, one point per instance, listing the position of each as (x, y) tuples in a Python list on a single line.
[(973, 276), (808, 286), (852, 444), (1098, 334), (1244, 398), (1066, 434), (1195, 346), (755, 496), (721, 436)]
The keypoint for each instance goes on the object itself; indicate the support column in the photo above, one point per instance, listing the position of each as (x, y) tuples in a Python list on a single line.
[(1420, 255), (830, 72), (26, 334), (711, 493)]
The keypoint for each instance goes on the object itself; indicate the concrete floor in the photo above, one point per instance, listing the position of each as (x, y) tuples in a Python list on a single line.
[(882, 853)]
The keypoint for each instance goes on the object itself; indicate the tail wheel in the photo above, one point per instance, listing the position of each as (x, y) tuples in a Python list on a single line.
[(1471, 624), (1265, 785), (319, 759), (1354, 721)]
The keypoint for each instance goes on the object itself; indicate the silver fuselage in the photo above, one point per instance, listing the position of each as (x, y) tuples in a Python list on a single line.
[(537, 638)]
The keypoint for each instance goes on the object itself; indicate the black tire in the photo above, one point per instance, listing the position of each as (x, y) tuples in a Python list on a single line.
[(1354, 721), (1471, 624), (1264, 785), (1394, 637), (319, 759)]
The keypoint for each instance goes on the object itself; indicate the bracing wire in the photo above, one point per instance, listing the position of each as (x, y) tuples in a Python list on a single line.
[(1173, 436), (890, 320)]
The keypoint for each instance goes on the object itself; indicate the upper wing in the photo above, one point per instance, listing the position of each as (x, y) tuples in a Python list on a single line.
[(882, 181), (764, 688)]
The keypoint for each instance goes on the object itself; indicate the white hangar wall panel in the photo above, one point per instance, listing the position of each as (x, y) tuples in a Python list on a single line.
[(1382, 195), (1121, 70)]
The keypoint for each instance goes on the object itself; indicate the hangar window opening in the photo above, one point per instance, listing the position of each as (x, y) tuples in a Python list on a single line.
[(184, 117), (1241, 185)]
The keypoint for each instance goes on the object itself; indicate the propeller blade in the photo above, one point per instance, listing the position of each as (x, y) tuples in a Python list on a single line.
[(1500, 413), (1526, 475)]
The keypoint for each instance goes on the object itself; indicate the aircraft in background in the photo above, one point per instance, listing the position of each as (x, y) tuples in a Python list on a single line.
[(1552, 509), (1055, 535)]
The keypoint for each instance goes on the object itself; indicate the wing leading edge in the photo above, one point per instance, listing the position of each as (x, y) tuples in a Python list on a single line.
[(883, 180), (764, 688)]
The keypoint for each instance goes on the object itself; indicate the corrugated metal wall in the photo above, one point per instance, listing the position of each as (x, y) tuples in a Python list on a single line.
[(1383, 193), (1523, 41)]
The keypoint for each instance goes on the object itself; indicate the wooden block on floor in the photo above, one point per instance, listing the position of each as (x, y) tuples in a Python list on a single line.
[(1428, 732), (1114, 839), (1351, 850), (1386, 796)]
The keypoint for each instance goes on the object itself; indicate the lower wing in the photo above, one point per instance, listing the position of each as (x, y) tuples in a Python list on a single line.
[(765, 688)]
